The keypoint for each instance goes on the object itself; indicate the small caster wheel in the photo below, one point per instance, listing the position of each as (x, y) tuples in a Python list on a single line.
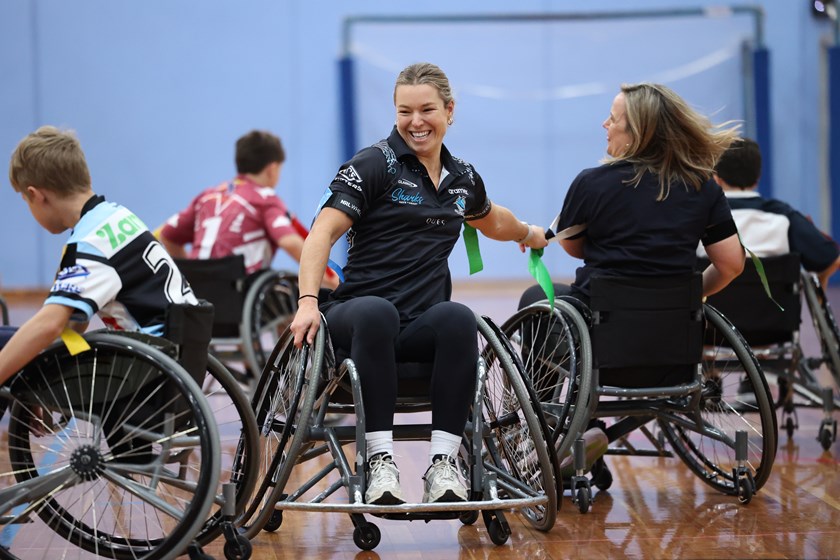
[(583, 499), (497, 533), (274, 521), (468, 517), (238, 549), (746, 491), (367, 536), (825, 438), (790, 427)]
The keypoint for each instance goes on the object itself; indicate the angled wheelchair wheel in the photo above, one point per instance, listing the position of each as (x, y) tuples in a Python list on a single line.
[(557, 359), (240, 445), (269, 307), (94, 447), (516, 447), (283, 404), (735, 397), (824, 323)]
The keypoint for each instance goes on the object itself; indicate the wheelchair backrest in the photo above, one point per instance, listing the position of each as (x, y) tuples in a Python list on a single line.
[(745, 303), (221, 282), (646, 321), (414, 381), (190, 327)]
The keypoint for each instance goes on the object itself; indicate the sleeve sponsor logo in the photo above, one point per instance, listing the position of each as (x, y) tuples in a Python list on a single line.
[(464, 192), (66, 287), (350, 177), (351, 206), (75, 271)]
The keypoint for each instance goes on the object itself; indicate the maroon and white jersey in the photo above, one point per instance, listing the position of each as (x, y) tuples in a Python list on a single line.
[(237, 217)]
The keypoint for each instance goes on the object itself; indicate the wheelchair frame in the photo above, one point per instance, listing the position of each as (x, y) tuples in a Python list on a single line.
[(784, 361), (302, 383), (123, 499), (571, 397)]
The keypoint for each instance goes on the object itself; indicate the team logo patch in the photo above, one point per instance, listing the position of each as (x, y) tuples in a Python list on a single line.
[(460, 205), (399, 196)]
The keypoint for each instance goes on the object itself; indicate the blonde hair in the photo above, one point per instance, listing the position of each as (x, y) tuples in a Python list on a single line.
[(51, 159), (670, 139), (425, 73)]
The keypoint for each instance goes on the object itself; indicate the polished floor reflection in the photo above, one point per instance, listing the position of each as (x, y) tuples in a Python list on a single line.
[(655, 508)]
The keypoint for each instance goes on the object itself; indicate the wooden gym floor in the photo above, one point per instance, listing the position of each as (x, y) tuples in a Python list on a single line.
[(656, 508)]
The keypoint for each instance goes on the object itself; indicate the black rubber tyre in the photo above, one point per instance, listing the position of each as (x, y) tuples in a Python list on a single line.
[(274, 522), (367, 537), (497, 533), (709, 449), (584, 499)]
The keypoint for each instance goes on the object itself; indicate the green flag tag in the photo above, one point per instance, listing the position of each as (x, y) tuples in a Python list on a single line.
[(540, 273), (473, 251), (759, 268)]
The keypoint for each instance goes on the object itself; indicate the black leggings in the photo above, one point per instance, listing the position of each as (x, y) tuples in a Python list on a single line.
[(444, 335)]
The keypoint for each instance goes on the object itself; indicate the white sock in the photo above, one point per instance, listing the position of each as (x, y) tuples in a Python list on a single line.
[(444, 443), (379, 442)]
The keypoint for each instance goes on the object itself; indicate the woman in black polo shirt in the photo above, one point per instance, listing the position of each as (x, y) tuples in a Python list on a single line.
[(644, 211), (402, 203)]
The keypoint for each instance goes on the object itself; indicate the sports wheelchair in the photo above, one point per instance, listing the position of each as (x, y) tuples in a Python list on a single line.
[(251, 310), (119, 453), (504, 456), (772, 329), (637, 354)]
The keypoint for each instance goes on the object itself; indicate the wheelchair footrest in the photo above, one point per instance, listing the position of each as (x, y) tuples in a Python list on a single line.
[(400, 510)]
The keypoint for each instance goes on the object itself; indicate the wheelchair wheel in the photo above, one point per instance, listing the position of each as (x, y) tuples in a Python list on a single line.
[(728, 368), (94, 441), (516, 448), (824, 323), (239, 440), (283, 404), (557, 360), (269, 306)]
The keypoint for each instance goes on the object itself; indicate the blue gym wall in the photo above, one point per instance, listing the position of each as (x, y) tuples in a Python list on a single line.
[(158, 91)]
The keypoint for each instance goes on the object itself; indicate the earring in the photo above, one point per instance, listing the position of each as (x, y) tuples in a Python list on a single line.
[(450, 121)]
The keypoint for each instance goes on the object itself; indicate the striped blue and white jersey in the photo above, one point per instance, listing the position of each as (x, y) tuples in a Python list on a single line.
[(114, 267)]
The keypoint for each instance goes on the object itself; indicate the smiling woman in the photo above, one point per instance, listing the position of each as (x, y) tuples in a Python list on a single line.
[(403, 203)]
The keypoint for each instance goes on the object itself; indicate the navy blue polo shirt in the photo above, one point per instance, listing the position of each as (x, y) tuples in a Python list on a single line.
[(628, 232), (403, 228), (789, 232)]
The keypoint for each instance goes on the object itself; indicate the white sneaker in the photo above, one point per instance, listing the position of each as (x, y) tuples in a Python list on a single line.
[(383, 481), (443, 482)]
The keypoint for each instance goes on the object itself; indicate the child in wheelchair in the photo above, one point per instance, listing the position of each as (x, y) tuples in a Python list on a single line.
[(770, 227), (111, 265)]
